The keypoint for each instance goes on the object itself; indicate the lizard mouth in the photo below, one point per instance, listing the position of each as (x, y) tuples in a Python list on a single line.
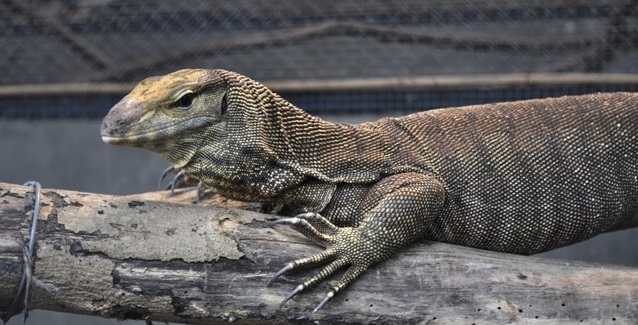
[(112, 137), (135, 141), (110, 140), (159, 133), (118, 140)]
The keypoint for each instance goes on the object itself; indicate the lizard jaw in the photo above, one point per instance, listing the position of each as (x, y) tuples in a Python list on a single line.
[(134, 141), (110, 140), (119, 140)]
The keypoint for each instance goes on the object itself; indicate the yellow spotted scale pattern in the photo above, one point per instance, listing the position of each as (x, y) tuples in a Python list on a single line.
[(519, 177)]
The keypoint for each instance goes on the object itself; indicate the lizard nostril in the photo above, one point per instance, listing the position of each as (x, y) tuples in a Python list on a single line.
[(110, 127), (105, 127)]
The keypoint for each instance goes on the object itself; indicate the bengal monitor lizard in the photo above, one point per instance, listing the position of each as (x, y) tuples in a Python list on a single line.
[(520, 177)]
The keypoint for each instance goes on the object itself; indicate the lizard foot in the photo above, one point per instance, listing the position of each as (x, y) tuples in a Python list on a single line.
[(346, 247), (179, 180), (398, 210)]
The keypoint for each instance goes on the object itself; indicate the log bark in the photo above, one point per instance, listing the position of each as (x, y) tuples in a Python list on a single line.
[(158, 257)]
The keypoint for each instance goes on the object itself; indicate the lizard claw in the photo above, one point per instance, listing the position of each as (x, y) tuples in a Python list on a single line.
[(181, 179), (324, 301), (285, 269), (313, 226), (293, 293), (316, 220), (301, 288), (172, 185), (165, 173), (339, 254), (199, 191)]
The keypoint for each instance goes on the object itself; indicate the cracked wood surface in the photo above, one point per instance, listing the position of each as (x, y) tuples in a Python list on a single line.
[(136, 257)]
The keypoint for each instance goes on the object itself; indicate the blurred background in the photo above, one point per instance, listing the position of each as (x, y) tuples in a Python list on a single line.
[(64, 63)]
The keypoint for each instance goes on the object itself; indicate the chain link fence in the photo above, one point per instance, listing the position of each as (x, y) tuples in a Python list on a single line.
[(420, 54)]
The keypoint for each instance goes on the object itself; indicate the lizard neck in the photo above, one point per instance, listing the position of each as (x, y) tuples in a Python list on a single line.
[(331, 152), (266, 146)]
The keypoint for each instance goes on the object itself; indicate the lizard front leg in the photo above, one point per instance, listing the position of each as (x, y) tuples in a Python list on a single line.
[(181, 179), (395, 211)]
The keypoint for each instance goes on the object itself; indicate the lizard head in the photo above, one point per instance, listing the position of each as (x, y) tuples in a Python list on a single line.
[(225, 129), (166, 114)]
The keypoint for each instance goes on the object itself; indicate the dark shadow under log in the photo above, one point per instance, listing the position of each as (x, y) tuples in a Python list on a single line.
[(137, 257)]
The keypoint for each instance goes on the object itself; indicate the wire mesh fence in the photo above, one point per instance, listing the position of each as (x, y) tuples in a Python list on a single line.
[(114, 41)]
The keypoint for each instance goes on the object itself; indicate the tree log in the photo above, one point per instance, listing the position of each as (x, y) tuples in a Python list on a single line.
[(154, 257)]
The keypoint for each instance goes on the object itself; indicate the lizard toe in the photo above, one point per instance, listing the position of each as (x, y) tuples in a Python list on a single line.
[(327, 271), (293, 293), (307, 229), (319, 222), (181, 179), (346, 249), (305, 263), (351, 275), (165, 173), (173, 184), (199, 192)]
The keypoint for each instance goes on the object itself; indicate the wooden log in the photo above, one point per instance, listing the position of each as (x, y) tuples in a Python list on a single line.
[(135, 257)]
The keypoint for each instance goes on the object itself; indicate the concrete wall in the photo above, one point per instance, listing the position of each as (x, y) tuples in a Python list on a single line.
[(70, 155)]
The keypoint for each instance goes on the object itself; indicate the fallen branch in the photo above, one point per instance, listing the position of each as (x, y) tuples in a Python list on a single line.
[(136, 257)]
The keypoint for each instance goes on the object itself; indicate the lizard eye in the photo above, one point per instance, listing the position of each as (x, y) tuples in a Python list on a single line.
[(186, 100)]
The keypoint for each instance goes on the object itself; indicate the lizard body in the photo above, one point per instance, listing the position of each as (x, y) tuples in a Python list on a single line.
[(520, 177)]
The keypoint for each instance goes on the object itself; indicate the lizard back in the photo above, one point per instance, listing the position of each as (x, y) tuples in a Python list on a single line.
[(528, 176)]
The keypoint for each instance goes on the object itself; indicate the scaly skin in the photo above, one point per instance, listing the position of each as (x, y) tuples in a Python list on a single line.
[(520, 177)]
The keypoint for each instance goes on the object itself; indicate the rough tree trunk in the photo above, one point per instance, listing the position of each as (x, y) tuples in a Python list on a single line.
[(136, 257)]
